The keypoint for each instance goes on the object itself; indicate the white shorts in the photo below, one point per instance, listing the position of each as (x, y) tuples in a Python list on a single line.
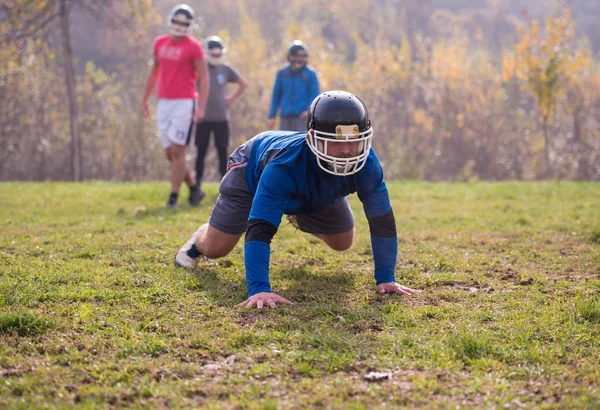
[(175, 120)]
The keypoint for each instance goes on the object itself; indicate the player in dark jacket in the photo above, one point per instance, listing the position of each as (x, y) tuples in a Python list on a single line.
[(296, 86)]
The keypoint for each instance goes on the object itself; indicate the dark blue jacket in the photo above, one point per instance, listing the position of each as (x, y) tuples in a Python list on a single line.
[(293, 91)]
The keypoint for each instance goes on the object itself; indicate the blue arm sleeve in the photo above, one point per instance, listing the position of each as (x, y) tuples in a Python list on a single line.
[(384, 241), (373, 193), (275, 96), (267, 209), (256, 258), (385, 252)]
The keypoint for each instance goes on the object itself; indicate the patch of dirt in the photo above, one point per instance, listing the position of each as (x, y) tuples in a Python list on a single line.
[(468, 288), (366, 326), (249, 320), (15, 372)]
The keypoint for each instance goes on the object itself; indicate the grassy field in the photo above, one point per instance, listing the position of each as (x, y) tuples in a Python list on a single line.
[(93, 313)]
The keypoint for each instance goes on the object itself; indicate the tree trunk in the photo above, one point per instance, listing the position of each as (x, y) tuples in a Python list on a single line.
[(549, 173), (577, 125), (71, 84)]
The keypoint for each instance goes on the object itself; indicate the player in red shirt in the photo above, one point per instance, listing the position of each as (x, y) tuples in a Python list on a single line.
[(178, 60)]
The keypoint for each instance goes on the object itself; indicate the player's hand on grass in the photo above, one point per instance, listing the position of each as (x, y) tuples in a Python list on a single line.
[(393, 287), (264, 299)]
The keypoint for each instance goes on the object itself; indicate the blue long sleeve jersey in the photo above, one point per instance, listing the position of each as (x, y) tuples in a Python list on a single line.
[(293, 91), (285, 178)]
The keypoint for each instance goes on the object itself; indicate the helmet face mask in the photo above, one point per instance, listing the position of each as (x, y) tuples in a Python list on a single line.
[(181, 19), (336, 118), (323, 145)]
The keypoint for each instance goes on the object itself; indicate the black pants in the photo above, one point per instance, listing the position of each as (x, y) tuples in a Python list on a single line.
[(292, 123), (220, 130)]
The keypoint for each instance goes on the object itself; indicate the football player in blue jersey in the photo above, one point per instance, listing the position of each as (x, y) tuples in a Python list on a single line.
[(307, 176)]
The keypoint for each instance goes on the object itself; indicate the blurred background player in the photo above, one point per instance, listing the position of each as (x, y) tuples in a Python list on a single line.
[(296, 86), (216, 119), (178, 60)]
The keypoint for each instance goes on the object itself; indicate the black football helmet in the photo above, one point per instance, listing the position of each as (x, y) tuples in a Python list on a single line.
[(339, 117), (215, 50), (297, 48), (183, 14)]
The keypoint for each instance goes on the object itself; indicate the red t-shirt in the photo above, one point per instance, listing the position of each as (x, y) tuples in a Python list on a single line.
[(177, 73)]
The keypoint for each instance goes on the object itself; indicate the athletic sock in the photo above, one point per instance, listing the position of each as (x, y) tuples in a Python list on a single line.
[(193, 252)]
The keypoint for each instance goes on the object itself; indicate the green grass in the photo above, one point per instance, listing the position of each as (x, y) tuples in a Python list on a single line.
[(94, 315)]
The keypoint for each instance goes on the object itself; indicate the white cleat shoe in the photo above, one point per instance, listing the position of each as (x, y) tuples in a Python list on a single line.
[(182, 259)]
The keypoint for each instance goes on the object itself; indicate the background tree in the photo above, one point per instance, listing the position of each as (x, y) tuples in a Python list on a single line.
[(546, 61), (36, 20), (456, 89)]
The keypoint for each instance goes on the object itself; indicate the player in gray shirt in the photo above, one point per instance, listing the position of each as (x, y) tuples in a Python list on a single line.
[(217, 116)]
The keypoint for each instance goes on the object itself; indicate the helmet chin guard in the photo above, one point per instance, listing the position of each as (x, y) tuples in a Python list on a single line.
[(178, 30), (215, 60), (320, 142)]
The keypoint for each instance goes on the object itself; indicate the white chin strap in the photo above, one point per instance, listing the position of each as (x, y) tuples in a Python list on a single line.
[(319, 142), (214, 60)]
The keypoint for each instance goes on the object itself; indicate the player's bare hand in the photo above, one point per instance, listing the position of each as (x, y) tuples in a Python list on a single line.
[(145, 109), (393, 287), (271, 123), (263, 299), (199, 115)]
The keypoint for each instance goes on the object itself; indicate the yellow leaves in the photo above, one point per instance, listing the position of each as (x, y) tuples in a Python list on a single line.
[(96, 75), (252, 52), (523, 46), (460, 120), (478, 34), (509, 65), (405, 58), (421, 119), (537, 145), (535, 32), (579, 61), (419, 116), (547, 62), (498, 93), (449, 61), (428, 125), (348, 11)]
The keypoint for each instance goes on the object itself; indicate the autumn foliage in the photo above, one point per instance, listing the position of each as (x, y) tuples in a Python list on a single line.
[(448, 99)]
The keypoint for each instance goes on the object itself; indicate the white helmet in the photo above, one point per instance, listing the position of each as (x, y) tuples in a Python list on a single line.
[(181, 19), (215, 50)]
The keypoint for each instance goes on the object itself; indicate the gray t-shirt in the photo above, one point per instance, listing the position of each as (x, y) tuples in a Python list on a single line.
[(216, 106)]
